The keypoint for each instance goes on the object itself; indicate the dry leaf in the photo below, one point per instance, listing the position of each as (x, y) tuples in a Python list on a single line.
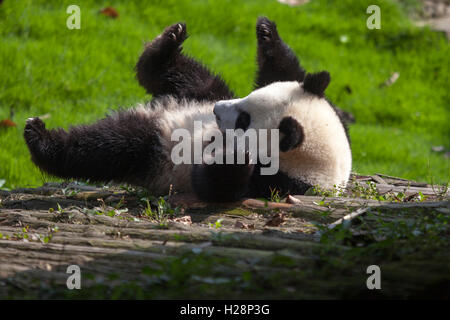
[(45, 116), (438, 148), (393, 78), (110, 12), (184, 220), (293, 3), (7, 123), (242, 225), (292, 200), (276, 220)]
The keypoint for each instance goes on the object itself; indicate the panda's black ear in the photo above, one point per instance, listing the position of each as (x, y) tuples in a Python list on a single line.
[(316, 83), (293, 134)]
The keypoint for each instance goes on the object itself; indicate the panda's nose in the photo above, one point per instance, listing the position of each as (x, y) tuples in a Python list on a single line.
[(215, 113), (226, 114)]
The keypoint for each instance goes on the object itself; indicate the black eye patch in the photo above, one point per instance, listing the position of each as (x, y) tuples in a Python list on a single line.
[(293, 134), (243, 121)]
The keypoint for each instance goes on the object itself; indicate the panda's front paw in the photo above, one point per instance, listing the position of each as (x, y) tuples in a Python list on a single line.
[(266, 31), (224, 182), (34, 130)]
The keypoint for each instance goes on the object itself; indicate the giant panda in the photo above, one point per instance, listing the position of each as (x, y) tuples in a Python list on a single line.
[(134, 146)]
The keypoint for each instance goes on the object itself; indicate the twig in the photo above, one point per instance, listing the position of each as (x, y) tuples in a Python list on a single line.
[(350, 216)]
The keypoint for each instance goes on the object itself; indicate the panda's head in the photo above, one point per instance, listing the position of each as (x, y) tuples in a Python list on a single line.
[(280, 105)]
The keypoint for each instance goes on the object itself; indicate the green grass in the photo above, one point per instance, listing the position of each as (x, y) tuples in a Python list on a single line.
[(76, 76)]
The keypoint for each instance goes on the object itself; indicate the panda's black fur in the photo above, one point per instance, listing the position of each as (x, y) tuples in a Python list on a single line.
[(163, 69), (126, 147)]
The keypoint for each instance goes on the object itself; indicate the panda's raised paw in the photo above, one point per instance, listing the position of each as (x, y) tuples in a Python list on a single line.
[(176, 33), (34, 129), (35, 124), (266, 30)]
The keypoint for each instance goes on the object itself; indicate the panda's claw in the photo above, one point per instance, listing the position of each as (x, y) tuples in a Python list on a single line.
[(266, 30), (178, 32), (172, 37)]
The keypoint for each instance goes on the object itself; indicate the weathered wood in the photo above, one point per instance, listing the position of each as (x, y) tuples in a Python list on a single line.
[(104, 241), (378, 179)]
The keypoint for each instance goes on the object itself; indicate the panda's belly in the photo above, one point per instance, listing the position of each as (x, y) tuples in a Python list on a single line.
[(177, 177)]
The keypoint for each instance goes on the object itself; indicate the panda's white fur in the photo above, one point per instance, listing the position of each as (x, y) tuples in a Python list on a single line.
[(174, 114), (324, 158)]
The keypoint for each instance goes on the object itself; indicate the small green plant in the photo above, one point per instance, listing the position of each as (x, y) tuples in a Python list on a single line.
[(440, 190), (217, 224), (335, 192), (421, 197), (69, 192), (384, 226), (104, 210), (370, 192), (58, 211), (26, 235), (275, 195), (163, 211), (323, 203)]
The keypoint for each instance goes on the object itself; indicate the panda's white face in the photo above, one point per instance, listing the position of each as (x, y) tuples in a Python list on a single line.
[(322, 155), (261, 109)]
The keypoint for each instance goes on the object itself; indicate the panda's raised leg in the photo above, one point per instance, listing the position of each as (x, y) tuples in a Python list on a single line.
[(276, 61), (120, 148), (162, 69)]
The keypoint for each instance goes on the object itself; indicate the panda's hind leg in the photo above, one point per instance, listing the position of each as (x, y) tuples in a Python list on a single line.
[(163, 69), (276, 61)]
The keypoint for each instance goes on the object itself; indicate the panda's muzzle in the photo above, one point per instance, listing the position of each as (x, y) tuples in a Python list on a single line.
[(227, 114)]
